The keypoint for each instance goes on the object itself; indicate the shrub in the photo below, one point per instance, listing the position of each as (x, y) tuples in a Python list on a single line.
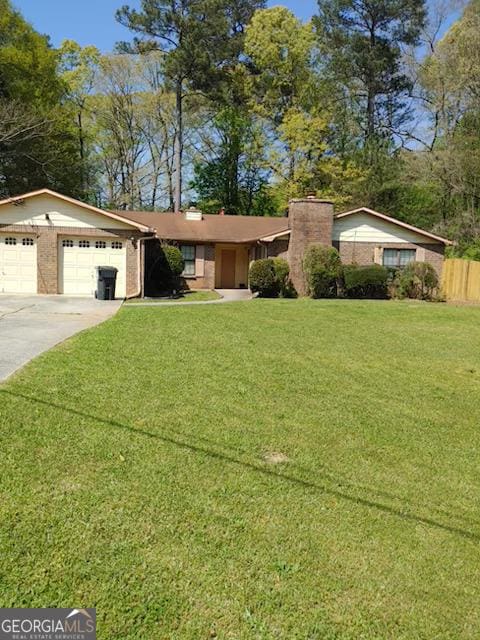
[(418, 280), (174, 259), (282, 272), (165, 265), (263, 278), (366, 282), (323, 269)]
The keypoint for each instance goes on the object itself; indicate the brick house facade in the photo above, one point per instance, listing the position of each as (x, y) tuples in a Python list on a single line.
[(51, 244)]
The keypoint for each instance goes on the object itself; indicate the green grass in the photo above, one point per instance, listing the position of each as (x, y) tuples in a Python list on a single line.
[(137, 473), (187, 296)]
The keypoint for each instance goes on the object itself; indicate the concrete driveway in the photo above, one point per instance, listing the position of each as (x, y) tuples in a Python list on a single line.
[(30, 325)]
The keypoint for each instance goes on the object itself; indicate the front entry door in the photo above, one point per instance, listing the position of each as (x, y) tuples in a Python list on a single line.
[(228, 268)]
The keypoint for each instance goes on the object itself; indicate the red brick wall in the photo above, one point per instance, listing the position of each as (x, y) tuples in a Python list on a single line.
[(47, 251), (363, 253)]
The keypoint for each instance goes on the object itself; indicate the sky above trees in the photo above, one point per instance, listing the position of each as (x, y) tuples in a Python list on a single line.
[(93, 22)]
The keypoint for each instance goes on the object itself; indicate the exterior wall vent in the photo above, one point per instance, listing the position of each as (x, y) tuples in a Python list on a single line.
[(193, 214)]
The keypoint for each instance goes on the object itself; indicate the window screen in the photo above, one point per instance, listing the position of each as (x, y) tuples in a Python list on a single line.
[(188, 253), (398, 257)]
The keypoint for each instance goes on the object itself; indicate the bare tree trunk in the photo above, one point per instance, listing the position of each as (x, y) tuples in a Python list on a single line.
[(178, 146), (81, 142)]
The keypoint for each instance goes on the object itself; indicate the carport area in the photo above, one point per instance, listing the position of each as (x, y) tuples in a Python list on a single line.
[(30, 325)]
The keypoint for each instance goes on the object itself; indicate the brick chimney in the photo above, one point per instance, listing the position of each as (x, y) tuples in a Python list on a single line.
[(311, 222)]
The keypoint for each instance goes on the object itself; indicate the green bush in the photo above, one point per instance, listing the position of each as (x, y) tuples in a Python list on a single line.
[(323, 270), (418, 280), (263, 278), (366, 282), (174, 259), (165, 265), (282, 272)]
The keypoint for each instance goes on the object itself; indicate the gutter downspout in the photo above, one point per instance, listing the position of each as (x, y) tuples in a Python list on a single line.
[(139, 291)]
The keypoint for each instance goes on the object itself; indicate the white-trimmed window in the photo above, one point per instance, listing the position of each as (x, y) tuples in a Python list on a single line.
[(117, 245), (27, 242), (188, 253), (11, 241), (100, 244), (67, 243), (398, 258), (84, 244)]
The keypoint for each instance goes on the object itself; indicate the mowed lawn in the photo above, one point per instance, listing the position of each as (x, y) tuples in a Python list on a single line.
[(265, 470)]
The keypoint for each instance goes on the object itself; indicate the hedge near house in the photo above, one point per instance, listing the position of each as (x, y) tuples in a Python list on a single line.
[(419, 281), (282, 272), (263, 278), (322, 268), (366, 282), (165, 265)]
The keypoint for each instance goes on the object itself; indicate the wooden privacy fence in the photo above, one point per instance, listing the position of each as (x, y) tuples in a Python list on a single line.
[(461, 280)]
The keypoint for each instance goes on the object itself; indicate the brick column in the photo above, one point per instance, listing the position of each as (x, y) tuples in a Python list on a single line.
[(47, 261), (311, 222)]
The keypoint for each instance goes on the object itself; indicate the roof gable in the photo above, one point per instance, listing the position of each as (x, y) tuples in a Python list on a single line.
[(410, 229), (62, 211)]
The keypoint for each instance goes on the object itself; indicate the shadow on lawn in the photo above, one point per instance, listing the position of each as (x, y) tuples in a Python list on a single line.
[(257, 467)]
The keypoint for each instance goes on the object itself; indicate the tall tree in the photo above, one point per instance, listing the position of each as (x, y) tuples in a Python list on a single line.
[(199, 38), (281, 49), (235, 175), (40, 140), (362, 42), (79, 68)]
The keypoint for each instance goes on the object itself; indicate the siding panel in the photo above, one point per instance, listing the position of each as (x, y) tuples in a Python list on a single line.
[(363, 227)]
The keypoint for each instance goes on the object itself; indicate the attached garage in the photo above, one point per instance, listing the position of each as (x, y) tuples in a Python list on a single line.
[(78, 258), (52, 244), (18, 264)]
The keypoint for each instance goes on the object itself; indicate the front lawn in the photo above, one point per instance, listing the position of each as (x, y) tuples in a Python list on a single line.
[(270, 470)]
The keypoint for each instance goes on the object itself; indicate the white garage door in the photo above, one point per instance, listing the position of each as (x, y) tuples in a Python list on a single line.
[(78, 258), (18, 264)]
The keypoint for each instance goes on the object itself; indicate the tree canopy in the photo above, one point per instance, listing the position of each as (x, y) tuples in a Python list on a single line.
[(237, 108)]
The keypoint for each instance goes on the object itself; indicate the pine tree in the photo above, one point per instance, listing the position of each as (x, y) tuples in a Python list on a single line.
[(200, 40), (362, 42)]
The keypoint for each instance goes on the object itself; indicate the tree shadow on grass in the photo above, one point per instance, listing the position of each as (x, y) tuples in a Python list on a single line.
[(261, 469)]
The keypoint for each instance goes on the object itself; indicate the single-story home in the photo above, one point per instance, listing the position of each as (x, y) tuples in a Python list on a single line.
[(51, 243)]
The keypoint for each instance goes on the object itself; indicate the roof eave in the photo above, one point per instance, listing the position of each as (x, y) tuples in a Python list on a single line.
[(276, 236)]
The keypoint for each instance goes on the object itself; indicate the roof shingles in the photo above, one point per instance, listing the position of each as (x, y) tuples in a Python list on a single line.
[(212, 228)]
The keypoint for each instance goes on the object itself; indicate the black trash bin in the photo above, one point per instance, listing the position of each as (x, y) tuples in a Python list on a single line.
[(106, 280)]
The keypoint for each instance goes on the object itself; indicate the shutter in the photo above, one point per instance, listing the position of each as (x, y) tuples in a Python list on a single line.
[(200, 261), (421, 254), (378, 255)]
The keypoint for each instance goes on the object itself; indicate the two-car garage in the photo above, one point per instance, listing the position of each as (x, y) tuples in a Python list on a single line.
[(52, 244), (77, 262)]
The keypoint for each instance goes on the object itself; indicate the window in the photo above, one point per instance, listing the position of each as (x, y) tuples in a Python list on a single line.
[(11, 241), (84, 244), (27, 242), (117, 245), (398, 258), (100, 244), (67, 243), (188, 253)]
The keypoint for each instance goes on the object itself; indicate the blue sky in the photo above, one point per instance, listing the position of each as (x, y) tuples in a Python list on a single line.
[(93, 22)]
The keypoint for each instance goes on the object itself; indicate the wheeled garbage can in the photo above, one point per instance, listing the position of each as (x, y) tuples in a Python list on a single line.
[(106, 281)]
